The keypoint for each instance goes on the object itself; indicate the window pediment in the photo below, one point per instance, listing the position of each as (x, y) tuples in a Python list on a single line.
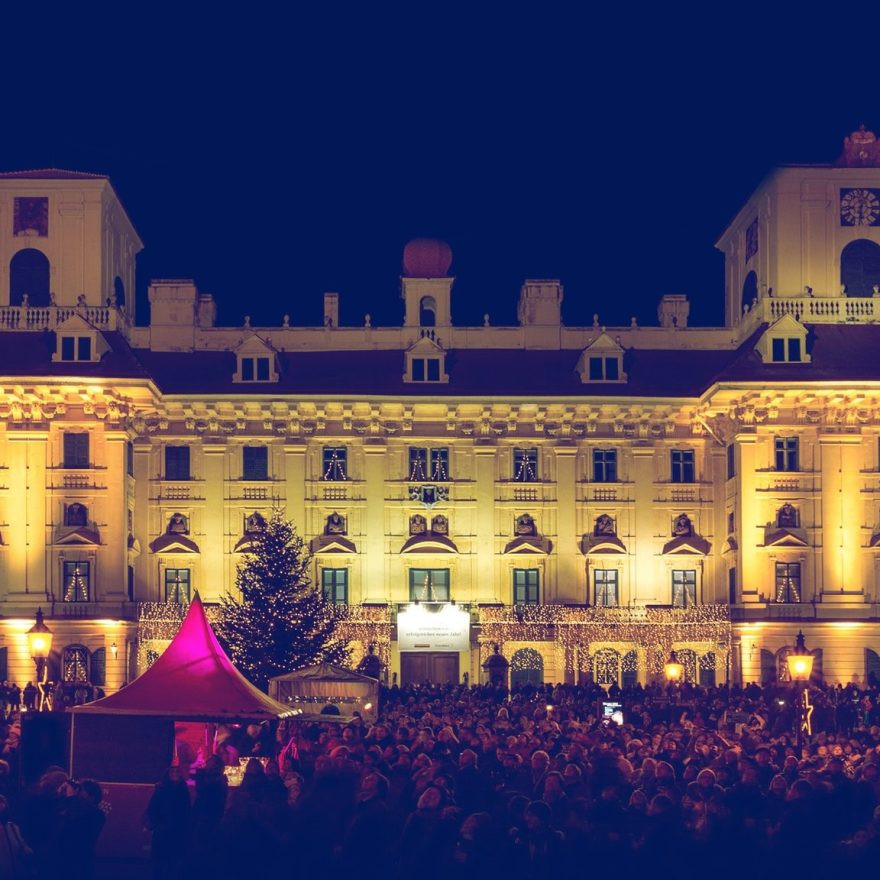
[(604, 543), (429, 542), (529, 544), (82, 535), (785, 537), (686, 545), (173, 543), (332, 543)]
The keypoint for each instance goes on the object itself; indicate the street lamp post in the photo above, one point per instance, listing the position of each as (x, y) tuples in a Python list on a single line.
[(673, 669), (800, 666), (39, 638)]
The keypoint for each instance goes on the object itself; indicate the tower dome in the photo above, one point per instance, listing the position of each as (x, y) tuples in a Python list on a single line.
[(427, 258)]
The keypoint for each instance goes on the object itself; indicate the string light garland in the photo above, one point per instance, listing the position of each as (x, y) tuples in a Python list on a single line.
[(582, 632)]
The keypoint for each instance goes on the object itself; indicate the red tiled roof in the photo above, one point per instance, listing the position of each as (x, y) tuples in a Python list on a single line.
[(50, 174)]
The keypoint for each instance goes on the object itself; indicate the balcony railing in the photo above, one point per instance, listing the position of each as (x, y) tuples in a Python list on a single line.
[(32, 318), (820, 309)]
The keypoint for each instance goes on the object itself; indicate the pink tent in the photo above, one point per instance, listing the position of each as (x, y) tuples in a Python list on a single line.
[(193, 680)]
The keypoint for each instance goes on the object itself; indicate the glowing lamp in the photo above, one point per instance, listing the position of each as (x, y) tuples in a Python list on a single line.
[(672, 669), (800, 660), (39, 638)]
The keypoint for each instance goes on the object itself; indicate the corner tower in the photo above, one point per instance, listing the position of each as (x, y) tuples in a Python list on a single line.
[(810, 232), (426, 285)]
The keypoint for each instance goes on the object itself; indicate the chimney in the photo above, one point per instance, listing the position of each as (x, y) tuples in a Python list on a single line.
[(331, 309)]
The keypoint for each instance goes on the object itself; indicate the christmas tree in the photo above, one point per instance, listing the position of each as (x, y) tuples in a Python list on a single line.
[(280, 622)]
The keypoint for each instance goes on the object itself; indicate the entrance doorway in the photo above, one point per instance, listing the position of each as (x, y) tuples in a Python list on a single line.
[(438, 667)]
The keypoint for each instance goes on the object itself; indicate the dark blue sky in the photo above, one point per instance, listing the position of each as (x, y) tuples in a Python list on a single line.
[(275, 155)]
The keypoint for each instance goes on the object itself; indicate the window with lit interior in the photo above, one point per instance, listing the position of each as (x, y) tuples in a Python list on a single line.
[(75, 581), (788, 582), (177, 585)]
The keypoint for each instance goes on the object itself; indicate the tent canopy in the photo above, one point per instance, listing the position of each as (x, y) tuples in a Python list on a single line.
[(192, 680)]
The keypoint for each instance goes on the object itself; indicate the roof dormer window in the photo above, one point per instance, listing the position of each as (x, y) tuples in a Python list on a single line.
[(785, 342), (76, 348), (601, 361), (255, 361), (426, 360), (255, 369)]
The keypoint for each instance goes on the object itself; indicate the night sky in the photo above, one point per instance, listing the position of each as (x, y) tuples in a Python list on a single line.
[(273, 156)]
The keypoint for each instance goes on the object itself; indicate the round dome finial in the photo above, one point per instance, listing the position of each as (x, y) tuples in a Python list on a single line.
[(427, 258)]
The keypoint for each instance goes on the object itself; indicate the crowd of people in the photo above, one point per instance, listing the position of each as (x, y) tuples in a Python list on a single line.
[(526, 784)]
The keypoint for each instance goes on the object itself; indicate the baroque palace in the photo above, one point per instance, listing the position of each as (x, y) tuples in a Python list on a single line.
[(582, 499)]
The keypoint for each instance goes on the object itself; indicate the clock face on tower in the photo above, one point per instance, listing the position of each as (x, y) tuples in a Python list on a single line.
[(860, 207)]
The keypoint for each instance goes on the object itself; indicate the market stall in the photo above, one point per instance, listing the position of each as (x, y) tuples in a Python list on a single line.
[(327, 693)]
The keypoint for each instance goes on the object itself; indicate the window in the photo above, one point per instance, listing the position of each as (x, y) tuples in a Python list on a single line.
[(255, 369), (76, 348), (731, 586), (335, 463), (731, 461), (786, 449), (525, 465), (131, 583), (682, 461), (604, 369), (426, 369), (76, 449), (255, 463), (177, 583), (429, 584), (786, 350), (429, 464), (177, 463), (605, 588), (525, 586), (731, 522), (604, 465), (684, 588), (99, 667), (334, 585), (75, 582), (788, 582), (75, 664), (129, 458)]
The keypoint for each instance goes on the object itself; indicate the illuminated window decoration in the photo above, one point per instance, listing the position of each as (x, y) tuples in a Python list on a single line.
[(335, 463), (429, 464), (788, 582), (525, 465), (75, 582), (606, 666), (684, 588), (688, 659), (177, 585), (655, 630), (707, 669), (429, 584), (526, 667), (629, 669), (605, 587), (75, 664)]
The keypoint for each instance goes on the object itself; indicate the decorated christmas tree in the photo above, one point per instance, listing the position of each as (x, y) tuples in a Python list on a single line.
[(279, 622)]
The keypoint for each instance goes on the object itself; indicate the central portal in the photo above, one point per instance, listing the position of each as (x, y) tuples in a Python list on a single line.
[(437, 667)]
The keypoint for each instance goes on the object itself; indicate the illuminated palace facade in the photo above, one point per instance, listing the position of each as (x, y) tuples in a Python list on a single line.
[(585, 498)]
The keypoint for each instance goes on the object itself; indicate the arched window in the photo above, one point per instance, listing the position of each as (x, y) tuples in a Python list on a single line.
[(606, 666), (427, 311), (526, 667), (860, 267), (749, 292), (768, 667), (75, 663), (119, 291), (872, 667), (29, 274), (688, 659), (707, 670), (99, 667), (630, 672)]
